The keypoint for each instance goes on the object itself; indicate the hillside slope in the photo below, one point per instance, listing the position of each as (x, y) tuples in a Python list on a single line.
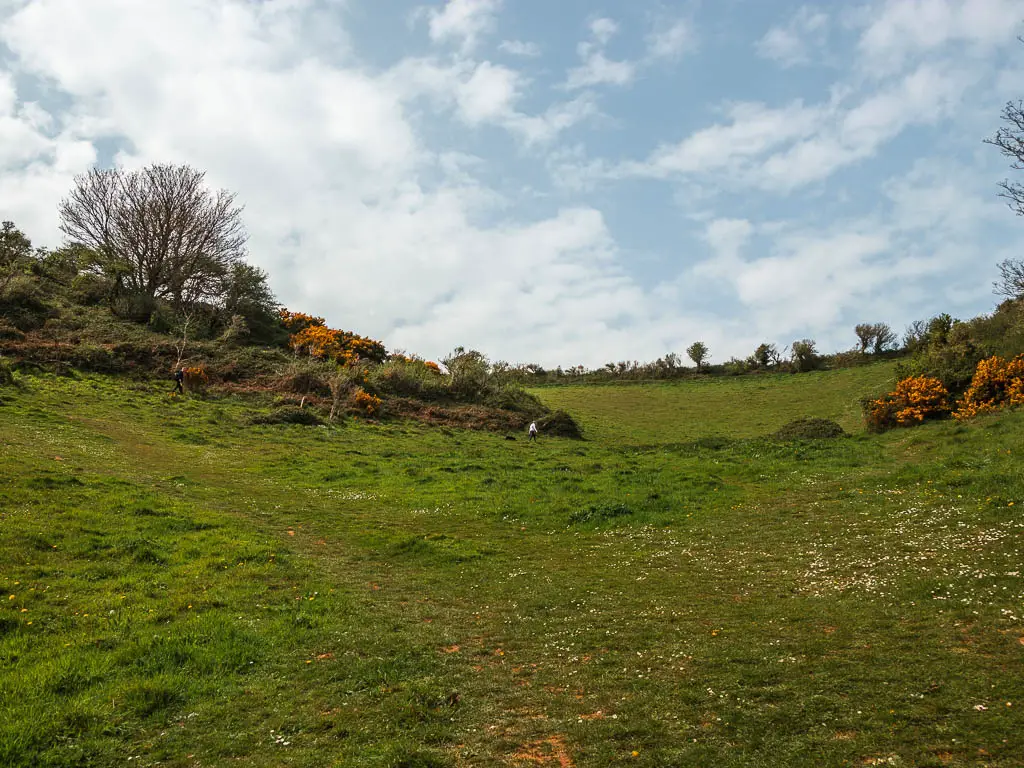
[(742, 406), (184, 588)]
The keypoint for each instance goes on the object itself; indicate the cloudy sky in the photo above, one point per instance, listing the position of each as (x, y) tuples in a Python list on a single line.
[(548, 181)]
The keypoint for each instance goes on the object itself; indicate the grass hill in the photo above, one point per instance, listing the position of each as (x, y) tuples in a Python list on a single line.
[(182, 587), (677, 411)]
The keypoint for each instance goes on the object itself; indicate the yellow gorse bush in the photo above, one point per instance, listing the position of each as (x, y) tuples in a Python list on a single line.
[(915, 399), (364, 401), (997, 383), (310, 335)]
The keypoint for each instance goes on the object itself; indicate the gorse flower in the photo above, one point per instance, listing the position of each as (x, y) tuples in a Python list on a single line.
[(310, 335), (915, 399), (364, 401), (997, 383)]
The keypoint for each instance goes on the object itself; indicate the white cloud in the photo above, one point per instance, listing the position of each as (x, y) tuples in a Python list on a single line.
[(603, 30), (792, 43), (600, 70), (329, 165), (785, 148), (819, 279), (463, 21), (520, 48), (671, 41), (901, 29), (485, 93), (753, 129)]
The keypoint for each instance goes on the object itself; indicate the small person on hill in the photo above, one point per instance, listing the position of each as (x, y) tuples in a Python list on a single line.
[(533, 430), (179, 378)]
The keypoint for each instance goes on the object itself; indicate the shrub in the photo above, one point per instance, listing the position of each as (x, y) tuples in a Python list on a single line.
[(89, 290), (512, 397), (996, 383), (850, 359), (805, 355), (304, 377), (10, 333), (914, 400), (810, 429), (6, 374), (196, 379), (560, 424), (342, 347), (287, 415), (597, 513), (364, 402), (23, 304), (237, 333), (406, 378), (469, 373)]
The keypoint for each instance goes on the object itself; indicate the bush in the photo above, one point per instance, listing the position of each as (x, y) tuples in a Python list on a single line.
[(851, 359), (288, 415), (512, 397), (914, 400), (996, 383), (469, 374), (90, 290), (810, 429), (237, 333), (597, 513), (10, 333), (560, 424), (23, 304), (306, 377), (6, 374), (365, 403), (406, 378), (196, 379)]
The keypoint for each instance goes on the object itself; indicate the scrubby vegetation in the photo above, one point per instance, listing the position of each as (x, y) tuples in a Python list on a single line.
[(122, 298)]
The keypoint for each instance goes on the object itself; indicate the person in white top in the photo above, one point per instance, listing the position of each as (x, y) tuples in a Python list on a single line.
[(533, 430)]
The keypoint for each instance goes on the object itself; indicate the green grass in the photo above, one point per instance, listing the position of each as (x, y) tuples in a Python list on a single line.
[(183, 589), (744, 406)]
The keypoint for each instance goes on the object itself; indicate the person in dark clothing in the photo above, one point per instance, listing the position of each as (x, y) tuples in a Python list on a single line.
[(179, 377)]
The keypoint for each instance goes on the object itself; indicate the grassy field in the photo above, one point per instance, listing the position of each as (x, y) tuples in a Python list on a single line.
[(182, 589), (732, 407)]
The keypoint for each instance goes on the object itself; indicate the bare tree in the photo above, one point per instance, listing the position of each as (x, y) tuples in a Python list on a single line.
[(158, 232), (884, 338), (1010, 141), (1011, 279), (916, 336)]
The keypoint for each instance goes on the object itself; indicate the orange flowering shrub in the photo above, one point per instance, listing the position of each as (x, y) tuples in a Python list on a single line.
[(298, 321), (364, 401), (433, 367), (195, 378), (997, 383), (310, 335), (915, 399)]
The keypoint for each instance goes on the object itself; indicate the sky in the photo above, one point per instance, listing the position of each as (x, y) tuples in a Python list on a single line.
[(559, 182)]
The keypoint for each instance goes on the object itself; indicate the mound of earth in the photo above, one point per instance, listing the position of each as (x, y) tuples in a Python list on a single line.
[(560, 424), (810, 429)]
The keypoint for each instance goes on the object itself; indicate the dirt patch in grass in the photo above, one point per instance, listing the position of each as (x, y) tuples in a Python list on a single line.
[(549, 751)]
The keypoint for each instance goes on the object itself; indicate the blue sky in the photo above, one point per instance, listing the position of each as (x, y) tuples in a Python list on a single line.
[(556, 182)]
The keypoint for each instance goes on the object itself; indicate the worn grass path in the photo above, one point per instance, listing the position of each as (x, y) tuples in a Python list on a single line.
[(202, 592)]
